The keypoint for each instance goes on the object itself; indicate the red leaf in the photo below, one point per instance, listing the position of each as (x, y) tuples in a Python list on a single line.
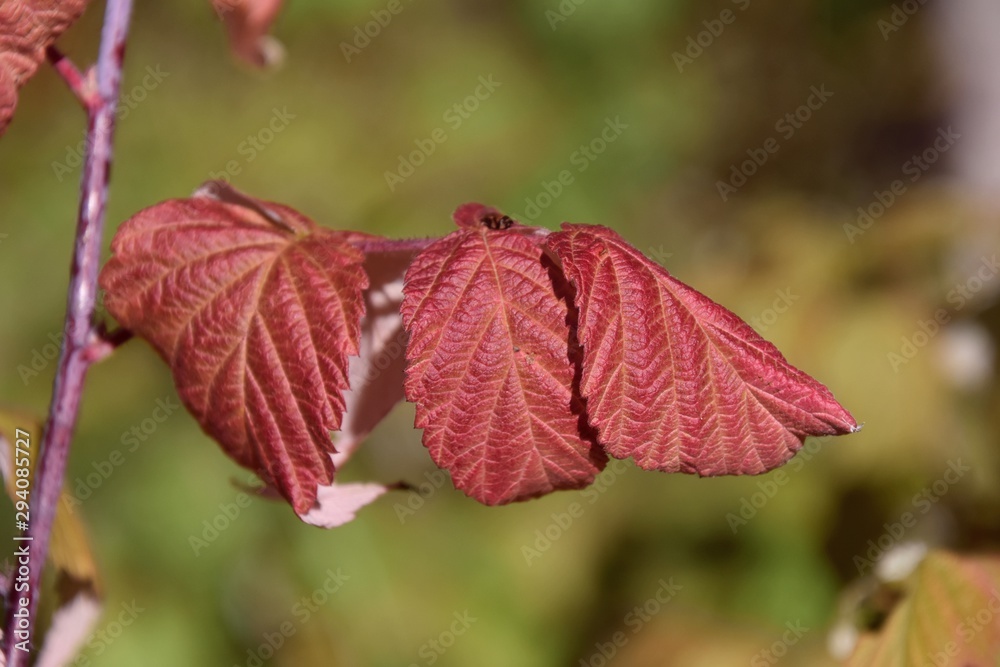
[(675, 380), (489, 365), (247, 23), (27, 28), (256, 309)]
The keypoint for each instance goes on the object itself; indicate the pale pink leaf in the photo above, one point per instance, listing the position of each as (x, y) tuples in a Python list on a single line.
[(377, 373), (72, 624), (376, 381), (338, 503)]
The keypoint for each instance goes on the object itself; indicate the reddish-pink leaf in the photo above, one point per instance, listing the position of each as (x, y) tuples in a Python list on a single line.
[(247, 23), (675, 380), (489, 363), (256, 309), (27, 28)]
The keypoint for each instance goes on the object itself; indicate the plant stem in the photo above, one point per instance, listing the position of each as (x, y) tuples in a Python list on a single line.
[(378, 245), (104, 343), (80, 329), (75, 80)]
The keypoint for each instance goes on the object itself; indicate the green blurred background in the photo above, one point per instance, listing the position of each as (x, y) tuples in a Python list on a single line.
[(854, 298)]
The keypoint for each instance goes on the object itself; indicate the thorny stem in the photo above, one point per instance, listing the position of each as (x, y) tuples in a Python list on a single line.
[(80, 330)]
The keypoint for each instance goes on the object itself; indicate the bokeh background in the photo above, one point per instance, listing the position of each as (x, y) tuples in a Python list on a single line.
[(779, 251)]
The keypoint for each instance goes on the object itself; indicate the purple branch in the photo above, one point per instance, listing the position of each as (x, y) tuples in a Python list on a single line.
[(80, 329)]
